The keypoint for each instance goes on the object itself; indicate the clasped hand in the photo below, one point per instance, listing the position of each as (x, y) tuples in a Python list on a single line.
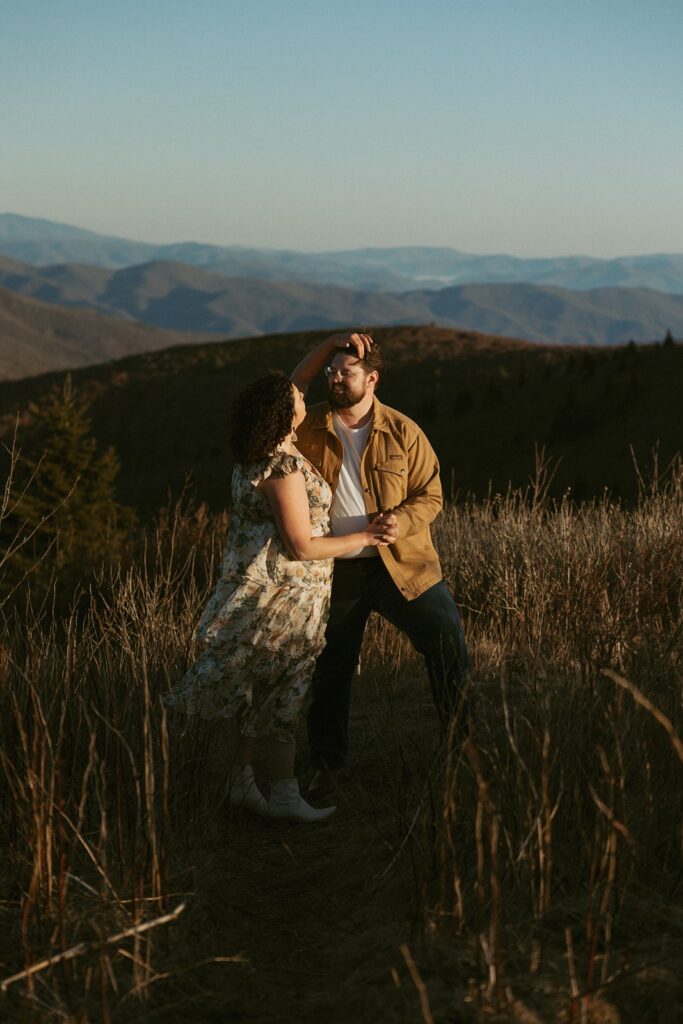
[(383, 529)]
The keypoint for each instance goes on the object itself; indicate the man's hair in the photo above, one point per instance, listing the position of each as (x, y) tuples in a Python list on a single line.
[(261, 418), (373, 360)]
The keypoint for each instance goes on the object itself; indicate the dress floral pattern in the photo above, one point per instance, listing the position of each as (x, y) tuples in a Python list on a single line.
[(264, 624)]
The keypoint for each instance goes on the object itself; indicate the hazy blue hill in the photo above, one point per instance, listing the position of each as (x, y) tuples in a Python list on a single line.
[(173, 295), (15, 228), (64, 284), (179, 297), (396, 269), (41, 242), (176, 296), (437, 267), (544, 313), (287, 265)]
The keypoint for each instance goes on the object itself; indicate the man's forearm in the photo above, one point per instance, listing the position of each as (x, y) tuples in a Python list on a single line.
[(419, 510)]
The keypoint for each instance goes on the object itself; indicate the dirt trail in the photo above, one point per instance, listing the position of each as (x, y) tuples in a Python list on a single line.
[(319, 912)]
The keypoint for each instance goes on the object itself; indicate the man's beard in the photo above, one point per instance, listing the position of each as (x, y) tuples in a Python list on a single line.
[(343, 397)]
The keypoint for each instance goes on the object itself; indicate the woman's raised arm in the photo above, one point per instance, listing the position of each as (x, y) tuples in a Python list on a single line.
[(316, 360)]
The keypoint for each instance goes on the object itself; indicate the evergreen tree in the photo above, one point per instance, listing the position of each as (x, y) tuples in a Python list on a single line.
[(68, 504)]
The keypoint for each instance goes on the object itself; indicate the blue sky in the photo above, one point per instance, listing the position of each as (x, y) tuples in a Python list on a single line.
[(535, 127)]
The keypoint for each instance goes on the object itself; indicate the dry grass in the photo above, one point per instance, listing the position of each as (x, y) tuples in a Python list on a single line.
[(557, 841), (529, 872)]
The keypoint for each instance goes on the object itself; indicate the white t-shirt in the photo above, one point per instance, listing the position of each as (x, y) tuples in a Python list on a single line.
[(347, 513)]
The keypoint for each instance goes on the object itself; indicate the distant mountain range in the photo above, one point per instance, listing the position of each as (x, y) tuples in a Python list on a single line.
[(199, 291), (183, 298), (42, 242)]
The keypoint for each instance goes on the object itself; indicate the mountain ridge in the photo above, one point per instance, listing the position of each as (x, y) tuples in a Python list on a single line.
[(176, 296), (398, 268)]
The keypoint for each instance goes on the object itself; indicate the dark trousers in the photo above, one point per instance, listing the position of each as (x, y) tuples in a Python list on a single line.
[(432, 623)]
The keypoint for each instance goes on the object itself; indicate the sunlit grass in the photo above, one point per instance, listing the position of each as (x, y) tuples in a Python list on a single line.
[(533, 866)]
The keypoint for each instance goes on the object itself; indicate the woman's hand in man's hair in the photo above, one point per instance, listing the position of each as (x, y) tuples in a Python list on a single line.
[(362, 343)]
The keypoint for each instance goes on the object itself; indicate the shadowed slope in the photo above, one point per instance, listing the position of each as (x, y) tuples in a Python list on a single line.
[(484, 402)]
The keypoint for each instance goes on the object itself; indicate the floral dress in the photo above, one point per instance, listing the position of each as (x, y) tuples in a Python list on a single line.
[(264, 624)]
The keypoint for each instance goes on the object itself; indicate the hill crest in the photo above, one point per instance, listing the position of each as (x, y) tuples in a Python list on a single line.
[(486, 404)]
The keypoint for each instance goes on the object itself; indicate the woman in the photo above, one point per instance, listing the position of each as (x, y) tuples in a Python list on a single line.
[(264, 624)]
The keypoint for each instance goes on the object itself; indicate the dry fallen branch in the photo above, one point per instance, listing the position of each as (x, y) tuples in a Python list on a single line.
[(86, 947)]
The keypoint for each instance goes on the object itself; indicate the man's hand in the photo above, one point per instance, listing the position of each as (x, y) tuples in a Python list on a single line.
[(389, 524)]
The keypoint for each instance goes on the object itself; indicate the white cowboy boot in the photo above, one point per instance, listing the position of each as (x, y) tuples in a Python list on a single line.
[(242, 790), (287, 803)]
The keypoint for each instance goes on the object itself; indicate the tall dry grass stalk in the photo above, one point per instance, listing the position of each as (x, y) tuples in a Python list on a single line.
[(559, 836), (89, 790), (552, 843)]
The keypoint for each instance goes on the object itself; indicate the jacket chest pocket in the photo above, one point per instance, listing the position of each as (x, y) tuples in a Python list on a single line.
[(391, 480)]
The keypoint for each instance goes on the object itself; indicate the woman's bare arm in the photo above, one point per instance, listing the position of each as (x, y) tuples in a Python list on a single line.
[(289, 503), (316, 360)]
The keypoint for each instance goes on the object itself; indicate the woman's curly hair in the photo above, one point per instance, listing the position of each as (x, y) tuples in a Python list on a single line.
[(261, 418)]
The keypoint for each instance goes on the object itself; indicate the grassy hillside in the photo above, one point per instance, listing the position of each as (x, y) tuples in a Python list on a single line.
[(485, 403), (525, 871), (530, 874)]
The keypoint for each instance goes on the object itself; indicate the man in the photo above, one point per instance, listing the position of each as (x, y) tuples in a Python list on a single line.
[(377, 461)]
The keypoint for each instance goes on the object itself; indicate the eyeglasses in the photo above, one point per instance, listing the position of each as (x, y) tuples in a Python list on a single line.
[(334, 371)]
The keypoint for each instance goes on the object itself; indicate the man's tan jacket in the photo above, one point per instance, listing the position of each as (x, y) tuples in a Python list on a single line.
[(399, 473)]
